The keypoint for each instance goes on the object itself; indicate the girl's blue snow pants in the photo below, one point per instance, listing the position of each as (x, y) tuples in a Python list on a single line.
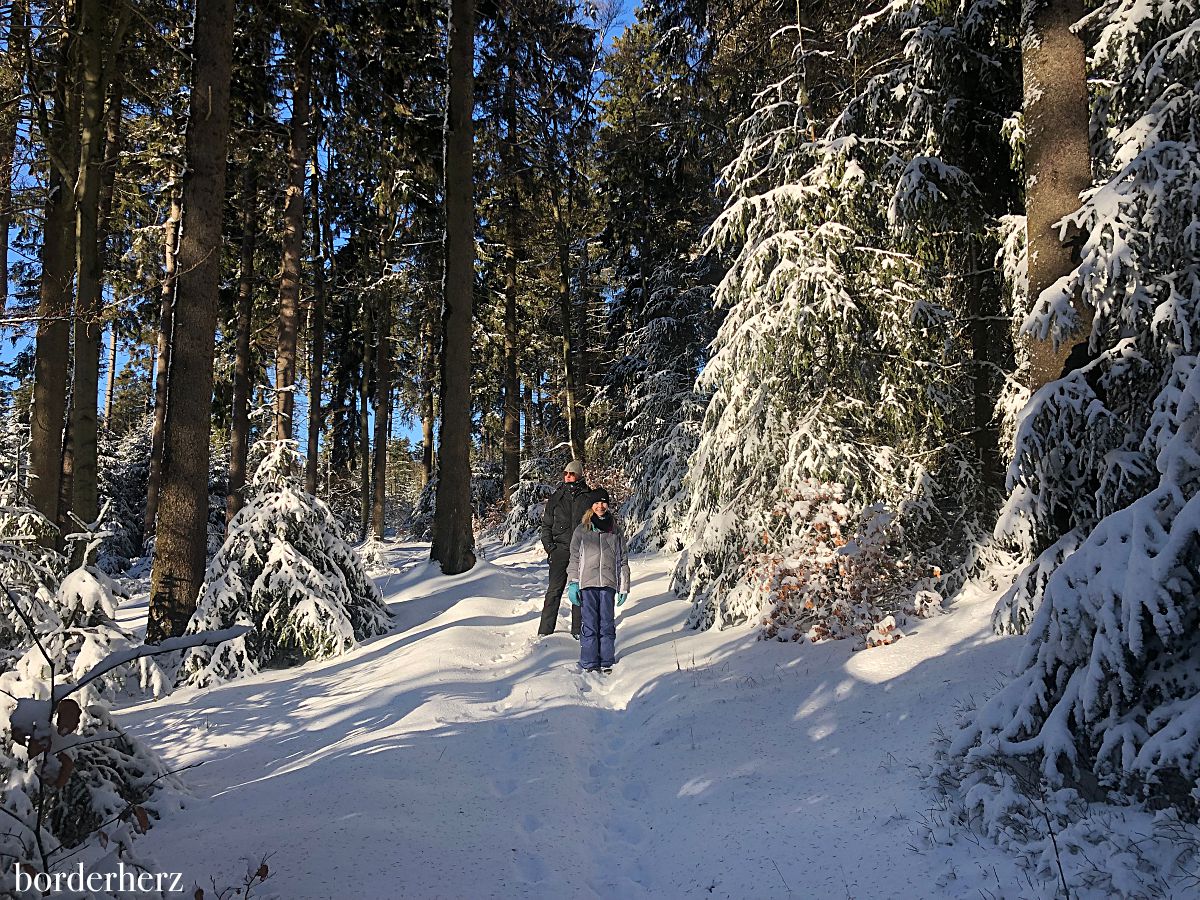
[(598, 632)]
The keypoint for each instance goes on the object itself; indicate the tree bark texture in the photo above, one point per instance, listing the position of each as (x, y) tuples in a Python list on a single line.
[(162, 361), (53, 339), (1057, 163), (182, 526), (293, 238), (453, 538), (239, 430), (316, 340)]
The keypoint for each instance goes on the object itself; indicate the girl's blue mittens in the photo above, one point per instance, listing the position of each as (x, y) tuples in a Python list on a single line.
[(573, 593), (621, 598)]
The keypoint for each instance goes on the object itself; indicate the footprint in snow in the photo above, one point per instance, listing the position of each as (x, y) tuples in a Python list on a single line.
[(504, 787), (530, 823), (633, 791), (530, 868), (629, 832)]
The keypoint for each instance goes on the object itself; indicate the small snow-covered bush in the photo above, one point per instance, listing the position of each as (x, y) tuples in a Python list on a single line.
[(95, 775), (838, 575), (818, 570), (1072, 844), (285, 570), (75, 788), (87, 633)]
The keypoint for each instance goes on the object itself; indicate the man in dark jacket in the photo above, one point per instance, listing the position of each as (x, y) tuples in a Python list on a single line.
[(564, 510)]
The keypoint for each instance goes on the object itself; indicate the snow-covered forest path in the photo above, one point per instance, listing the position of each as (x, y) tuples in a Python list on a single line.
[(460, 757)]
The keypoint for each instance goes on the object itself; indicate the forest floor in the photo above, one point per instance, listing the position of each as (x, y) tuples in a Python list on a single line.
[(461, 757)]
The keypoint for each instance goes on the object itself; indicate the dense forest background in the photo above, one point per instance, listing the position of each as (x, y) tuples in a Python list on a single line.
[(849, 304)]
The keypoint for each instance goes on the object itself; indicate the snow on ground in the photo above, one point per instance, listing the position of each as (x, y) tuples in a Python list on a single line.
[(460, 757)]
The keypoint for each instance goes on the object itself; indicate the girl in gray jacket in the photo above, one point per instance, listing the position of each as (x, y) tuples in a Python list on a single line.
[(598, 578)]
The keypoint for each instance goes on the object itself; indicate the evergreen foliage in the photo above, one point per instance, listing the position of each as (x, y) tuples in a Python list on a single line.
[(58, 795), (1105, 477), (657, 157), (848, 353), (285, 570)]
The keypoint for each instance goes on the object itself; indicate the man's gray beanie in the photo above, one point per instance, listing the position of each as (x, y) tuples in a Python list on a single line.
[(575, 467)]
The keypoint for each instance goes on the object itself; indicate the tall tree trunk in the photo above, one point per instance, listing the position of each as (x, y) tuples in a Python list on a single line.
[(162, 362), (574, 422), (293, 238), (85, 496), (239, 431), (1057, 163), (182, 527), (383, 414), (428, 375), (511, 451), (108, 181), (316, 338), (453, 538), (364, 421), (53, 340), (10, 90), (528, 407)]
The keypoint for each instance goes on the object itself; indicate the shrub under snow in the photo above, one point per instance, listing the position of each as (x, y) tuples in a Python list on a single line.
[(1106, 476), (285, 570), (74, 790), (1108, 692), (816, 570)]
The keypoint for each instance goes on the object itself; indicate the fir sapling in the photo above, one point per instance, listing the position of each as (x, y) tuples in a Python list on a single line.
[(284, 570)]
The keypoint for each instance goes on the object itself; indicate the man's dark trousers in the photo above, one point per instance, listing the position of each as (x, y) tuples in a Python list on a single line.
[(560, 558), (597, 641)]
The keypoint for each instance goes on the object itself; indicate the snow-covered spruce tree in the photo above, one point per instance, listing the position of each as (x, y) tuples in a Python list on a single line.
[(657, 363), (658, 148), (81, 802), (1106, 477), (285, 570), (540, 474), (1087, 443), (860, 347)]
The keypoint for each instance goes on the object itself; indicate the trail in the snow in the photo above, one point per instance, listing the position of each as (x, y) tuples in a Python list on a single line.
[(460, 756)]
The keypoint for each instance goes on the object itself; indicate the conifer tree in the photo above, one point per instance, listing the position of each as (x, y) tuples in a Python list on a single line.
[(453, 540), (285, 570), (181, 530)]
